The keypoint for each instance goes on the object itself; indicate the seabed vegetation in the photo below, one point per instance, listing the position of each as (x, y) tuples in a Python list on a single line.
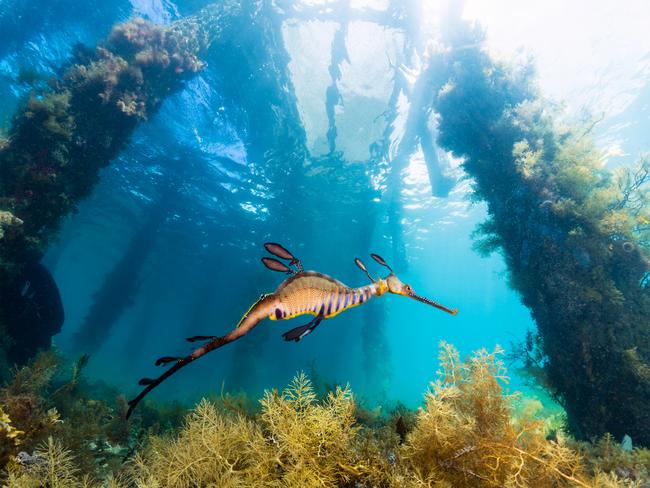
[(61, 431)]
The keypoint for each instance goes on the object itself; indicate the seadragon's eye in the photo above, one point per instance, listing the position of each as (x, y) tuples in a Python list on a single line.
[(408, 289)]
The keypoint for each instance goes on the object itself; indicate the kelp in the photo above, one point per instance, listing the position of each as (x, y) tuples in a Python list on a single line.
[(573, 234), (468, 433)]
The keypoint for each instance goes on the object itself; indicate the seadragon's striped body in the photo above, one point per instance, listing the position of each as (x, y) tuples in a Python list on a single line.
[(303, 293), (312, 293)]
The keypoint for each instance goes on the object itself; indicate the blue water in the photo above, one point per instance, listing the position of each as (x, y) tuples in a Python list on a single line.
[(200, 191)]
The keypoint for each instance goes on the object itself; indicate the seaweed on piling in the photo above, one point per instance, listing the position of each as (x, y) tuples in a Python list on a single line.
[(64, 135), (574, 235)]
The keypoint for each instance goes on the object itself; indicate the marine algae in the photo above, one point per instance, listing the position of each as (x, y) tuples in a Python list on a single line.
[(65, 133), (468, 433), (42, 403), (51, 465), (573, 234), (24, 398), (10, 437)]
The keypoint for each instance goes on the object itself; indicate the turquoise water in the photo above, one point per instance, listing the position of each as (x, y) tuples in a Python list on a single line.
[(311, 142)]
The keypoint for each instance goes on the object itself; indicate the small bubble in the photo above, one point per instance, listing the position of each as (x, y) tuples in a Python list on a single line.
[(545, 204), (628, 247)]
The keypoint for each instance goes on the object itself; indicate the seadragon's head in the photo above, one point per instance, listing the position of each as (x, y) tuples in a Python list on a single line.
[(393, 284)]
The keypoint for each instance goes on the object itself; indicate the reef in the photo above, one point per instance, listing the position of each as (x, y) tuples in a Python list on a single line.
[(574, 235), (63, 136), (469, 432)]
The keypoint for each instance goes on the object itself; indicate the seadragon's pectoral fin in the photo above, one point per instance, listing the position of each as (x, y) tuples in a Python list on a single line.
[(298, 333)]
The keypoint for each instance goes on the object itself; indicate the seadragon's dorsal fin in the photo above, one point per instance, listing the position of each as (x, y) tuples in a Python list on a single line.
[(309, 279)]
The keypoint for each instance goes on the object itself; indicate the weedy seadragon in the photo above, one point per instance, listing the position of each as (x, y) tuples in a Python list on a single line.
[(303, 293)]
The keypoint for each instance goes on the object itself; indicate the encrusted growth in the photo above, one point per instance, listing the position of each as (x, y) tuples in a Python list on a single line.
[(573, 234), (63, 136)]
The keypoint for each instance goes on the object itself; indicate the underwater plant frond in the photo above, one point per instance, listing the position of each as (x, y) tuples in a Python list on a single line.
[(58, 467), (634, 186), (75, 376), (32, 378), (24, 398), (466, 434), (300, 393), (486, 240), (210, 450), (50, 466), (10, 437)]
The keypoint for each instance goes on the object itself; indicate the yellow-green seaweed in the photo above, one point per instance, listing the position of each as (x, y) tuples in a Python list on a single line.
[(467, 433)]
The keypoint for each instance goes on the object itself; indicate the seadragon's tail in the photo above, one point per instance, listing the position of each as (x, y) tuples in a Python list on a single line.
[(151, 383), (254, 316)]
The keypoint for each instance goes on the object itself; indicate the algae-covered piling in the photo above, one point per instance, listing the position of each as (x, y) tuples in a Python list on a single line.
[(61, 138), (573, 234)]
